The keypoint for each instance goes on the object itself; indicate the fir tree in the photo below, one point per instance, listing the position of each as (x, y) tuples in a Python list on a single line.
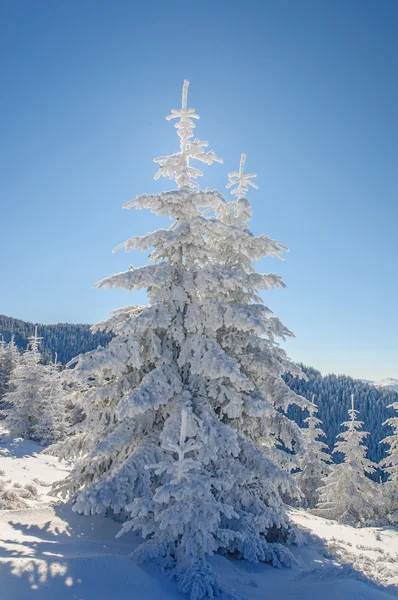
[(390, 466), (26, 395), (4, 374), (315, 462), (183, 401), (52, 424), (9, 357), (348, 495)]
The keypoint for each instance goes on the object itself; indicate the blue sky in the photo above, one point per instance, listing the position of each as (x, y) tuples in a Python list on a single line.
[(307, 89)]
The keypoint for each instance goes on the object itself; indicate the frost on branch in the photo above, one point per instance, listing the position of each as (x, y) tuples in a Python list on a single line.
[(184, 515), (176, 166), (185, 426), (241, 180)]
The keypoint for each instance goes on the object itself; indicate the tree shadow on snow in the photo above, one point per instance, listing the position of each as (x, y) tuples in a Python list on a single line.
[(61, 555), (64, 556), (17, 447), (321, 571), (336, 559)]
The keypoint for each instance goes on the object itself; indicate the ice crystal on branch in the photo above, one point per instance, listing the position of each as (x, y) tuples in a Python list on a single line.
[(176, 166), (241, 180)]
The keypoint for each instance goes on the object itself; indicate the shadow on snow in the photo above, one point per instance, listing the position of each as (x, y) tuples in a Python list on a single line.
[(64, 556)]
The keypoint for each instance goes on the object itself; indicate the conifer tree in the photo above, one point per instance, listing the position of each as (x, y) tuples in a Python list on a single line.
[(26, 395), (389, 506), (52, 423), (12, 353), (4, 374), (181, 403), (315, 462), (348, 495), (9, 357)]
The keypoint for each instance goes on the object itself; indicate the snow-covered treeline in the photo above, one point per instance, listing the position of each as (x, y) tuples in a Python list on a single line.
[(34, 396), (333, 397), (67, 340)]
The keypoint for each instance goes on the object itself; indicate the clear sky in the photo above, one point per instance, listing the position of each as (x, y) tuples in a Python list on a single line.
[(308, 89)]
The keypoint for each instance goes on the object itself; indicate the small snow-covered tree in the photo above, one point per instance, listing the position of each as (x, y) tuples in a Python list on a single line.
[(51, 425), (315, 461), (26, 395), (389, 506), (9, 356), (181, 404), (12, 354), (348, 495), (4, 374)]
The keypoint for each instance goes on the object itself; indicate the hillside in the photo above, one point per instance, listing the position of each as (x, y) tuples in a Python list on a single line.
[(49, 552), (390, 383), (333, 396), (332, 392), (67, 340)]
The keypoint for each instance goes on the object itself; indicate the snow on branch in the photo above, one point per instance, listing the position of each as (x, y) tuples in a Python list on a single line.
[(241, 180), (151, 275), (176, 166), (155, 389)]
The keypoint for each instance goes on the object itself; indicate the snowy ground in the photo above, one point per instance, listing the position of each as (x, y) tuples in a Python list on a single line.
[(22, 463), (49, 553)]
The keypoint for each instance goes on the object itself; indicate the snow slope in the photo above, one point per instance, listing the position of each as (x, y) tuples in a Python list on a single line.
[(390, 383), (50, 553), (23, 463)]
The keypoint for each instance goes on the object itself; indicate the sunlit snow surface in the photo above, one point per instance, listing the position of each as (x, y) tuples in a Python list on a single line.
[(50, 553)]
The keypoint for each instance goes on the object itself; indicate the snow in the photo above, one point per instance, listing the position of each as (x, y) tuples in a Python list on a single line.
[(24, 463), (389, 383), (49, 552), (52, 554), (371, 552)]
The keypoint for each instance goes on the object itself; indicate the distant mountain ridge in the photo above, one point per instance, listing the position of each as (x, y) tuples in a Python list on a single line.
[(65, 339), (390, 383)]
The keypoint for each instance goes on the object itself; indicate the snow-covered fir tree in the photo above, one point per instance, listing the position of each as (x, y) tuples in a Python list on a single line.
[(12, 355), (389, 507), (348, 495), (315, 462), (52, 422), (4, 374), (26, 395), (9, 356), (181, 404)]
